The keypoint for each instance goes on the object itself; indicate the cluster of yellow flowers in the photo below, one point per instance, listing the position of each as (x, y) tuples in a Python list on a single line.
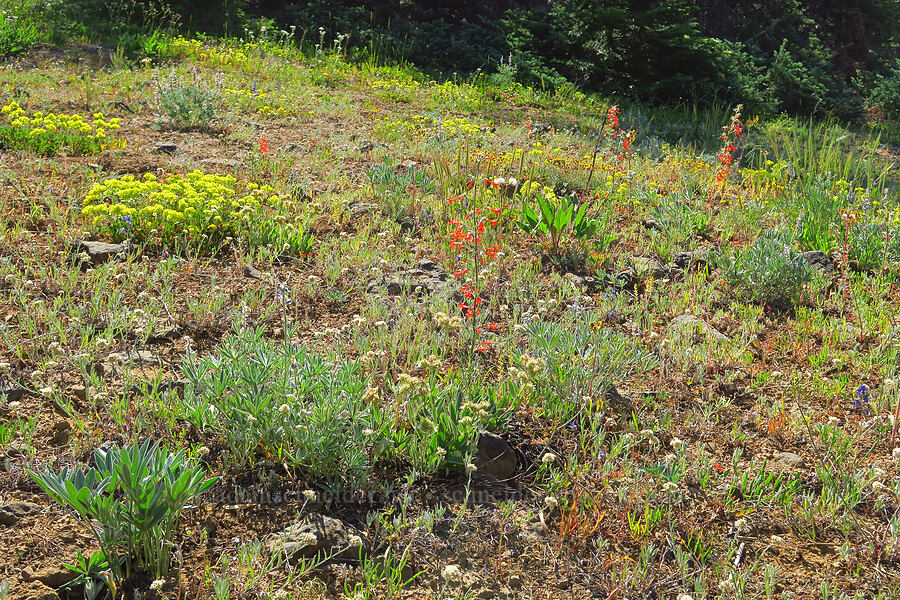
[(52, 125), (195, 204)]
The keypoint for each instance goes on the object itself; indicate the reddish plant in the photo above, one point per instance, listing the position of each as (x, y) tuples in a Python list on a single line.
[(263, 144), (731, 136), (470, 237)]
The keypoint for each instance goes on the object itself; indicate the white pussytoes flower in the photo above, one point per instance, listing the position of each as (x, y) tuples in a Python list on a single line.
[(451, 573)]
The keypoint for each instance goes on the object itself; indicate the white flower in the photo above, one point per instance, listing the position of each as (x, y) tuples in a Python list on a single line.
[(895, 453), (284, 408), (777, 539), (309, 495), (368, 432), (512, 181), (307, 539), (451, 573), (878, 473), (157, 584), (202, 451), (471, 468), (879, 487), (548, 458), (380, 323), (833, 420), (355, 541), (741, 526), (46, 391), (14, 405), (551, 502), (251, 418), (670, 487), (684, 597), (726, 586), (676, 444)]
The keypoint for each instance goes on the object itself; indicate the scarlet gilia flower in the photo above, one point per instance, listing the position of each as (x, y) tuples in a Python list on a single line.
[(263, 145)]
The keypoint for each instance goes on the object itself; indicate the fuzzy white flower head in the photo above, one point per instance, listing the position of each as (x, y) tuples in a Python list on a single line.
[(451, 573), (548, 458), (157, 584), (684, 597), (202, 451), (879, 487), (14, 405), (355, 541), (878, 473), (741, 526), (777, 539), (551, 502), (471, 468), (676, 444), (309, 495), (284, 408), (833, 420), (670, 487), (895, 453)]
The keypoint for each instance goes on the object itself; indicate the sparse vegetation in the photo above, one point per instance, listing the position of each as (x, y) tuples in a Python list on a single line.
[(447, 338)]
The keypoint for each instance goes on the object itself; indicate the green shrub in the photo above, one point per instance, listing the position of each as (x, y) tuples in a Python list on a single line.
[(770, 270), (189, 106), (131, 502), (18, 31)]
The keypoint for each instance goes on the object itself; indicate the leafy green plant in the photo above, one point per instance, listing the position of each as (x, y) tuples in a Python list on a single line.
[(93, 575), (298, 406), (18, 31), (189, 106), (553, 219), (131, 503), (770, 269)]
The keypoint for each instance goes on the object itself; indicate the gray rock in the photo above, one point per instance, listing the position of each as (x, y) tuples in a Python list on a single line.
[(495, 458), (426, 277), (315, 534), (645, 267), (98, 252), (13, 512), (252, 272), (651, 224), (137, 358), (791, 459), (11, 391), (408, 164), (688, 260), (369, 146), (61, 432), (53, 577), (225, 163), (164, 148), (819, 260), (687, 322)]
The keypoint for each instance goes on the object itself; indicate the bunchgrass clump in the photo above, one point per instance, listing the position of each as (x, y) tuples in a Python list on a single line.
[(189, 106)]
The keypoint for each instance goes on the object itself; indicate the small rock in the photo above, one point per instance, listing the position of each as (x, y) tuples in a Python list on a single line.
[(53, 577), (62, 430), (533, 532), (165, 334), (685, 322), (651, 224), (646, 267), (407, 165), (314, 533), (227, 163), (11, 513), (369, 146), (137, 358), (495, 458), (164, 148), (98, 252), (791, 459), (80, 392), (38, 591), (252, 272), (819, 260), (426, 277), (688, 260), (11, 391)]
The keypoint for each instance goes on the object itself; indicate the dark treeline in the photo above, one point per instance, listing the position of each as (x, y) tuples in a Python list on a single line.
[(823, 57)]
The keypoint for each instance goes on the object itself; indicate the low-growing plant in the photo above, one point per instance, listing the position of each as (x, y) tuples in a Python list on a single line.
[(281, 400), (189, 106), (131, 502), (770, 270), (556, 215), (48, 134), (198, 210)]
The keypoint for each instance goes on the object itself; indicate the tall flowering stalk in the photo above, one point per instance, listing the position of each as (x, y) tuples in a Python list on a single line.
[(470, 237), (730, 136)]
